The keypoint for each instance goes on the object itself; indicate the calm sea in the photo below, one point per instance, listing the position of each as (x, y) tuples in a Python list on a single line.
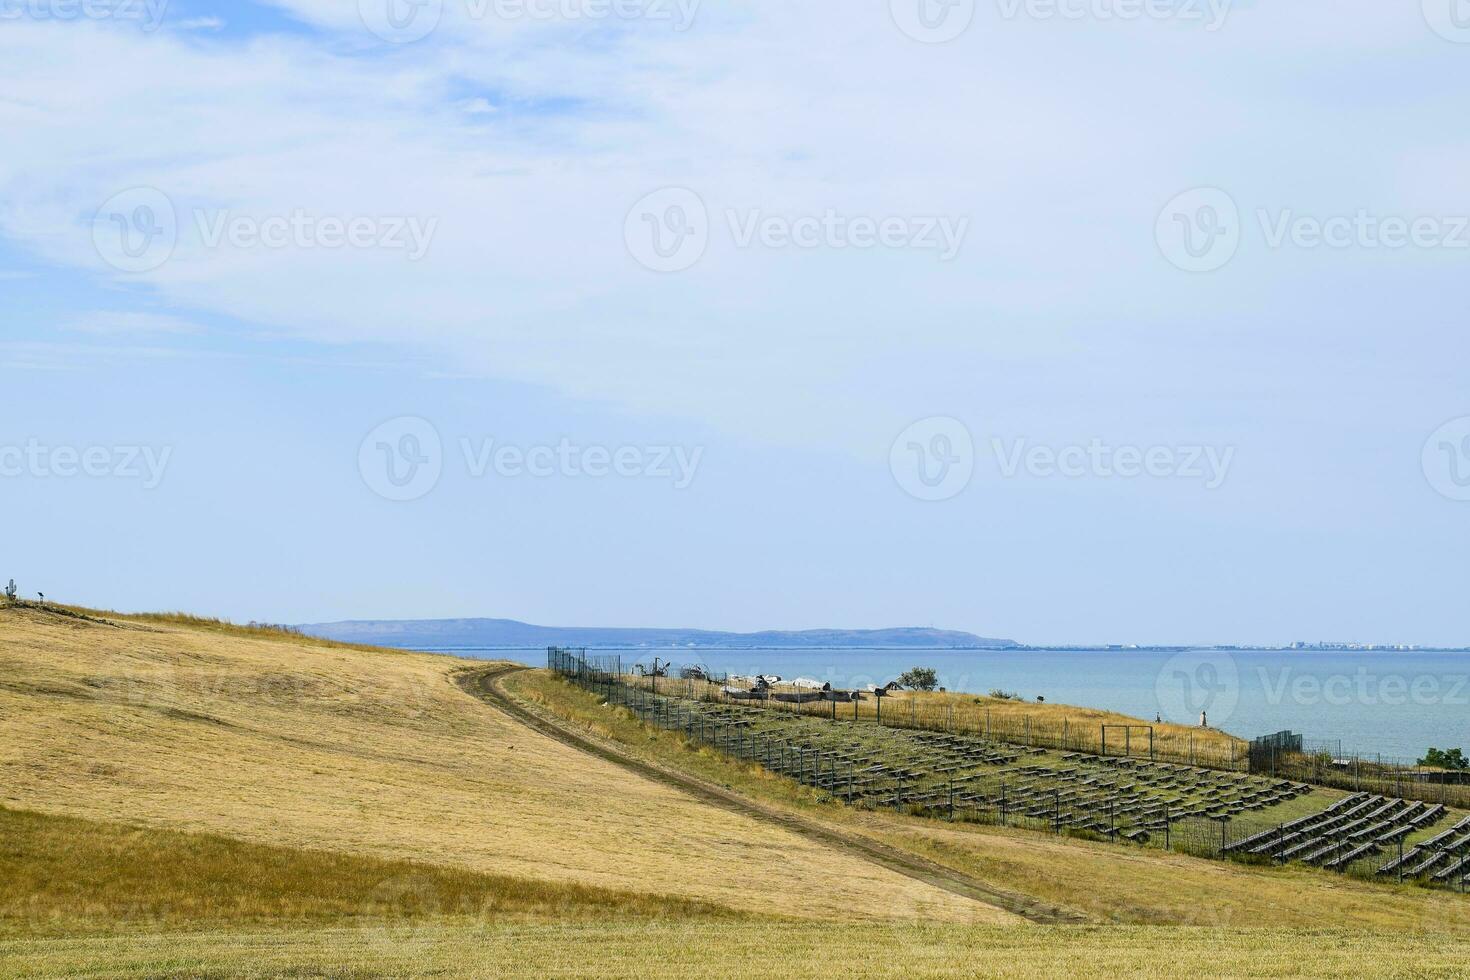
[(1393, 704)]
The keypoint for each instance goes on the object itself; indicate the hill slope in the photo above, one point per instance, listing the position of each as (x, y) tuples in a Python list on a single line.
[(376, 753)]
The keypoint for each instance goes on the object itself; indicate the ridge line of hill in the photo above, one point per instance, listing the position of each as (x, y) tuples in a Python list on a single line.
[(480, 632)]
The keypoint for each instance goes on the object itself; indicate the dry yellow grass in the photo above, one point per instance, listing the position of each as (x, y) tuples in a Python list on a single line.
[(1110, 882), (1023, 722), (64, 876), (377, 753), (366, 818), (694, 951)]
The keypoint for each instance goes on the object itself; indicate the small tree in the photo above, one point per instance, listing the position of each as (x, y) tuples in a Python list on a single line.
[(919, 679), (1452, 759)]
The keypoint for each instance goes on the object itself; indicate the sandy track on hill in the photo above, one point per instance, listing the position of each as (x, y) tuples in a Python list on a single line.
[(486, 686)]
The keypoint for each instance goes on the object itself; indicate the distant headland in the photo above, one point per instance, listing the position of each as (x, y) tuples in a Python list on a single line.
[(449, 634), (510, 634)]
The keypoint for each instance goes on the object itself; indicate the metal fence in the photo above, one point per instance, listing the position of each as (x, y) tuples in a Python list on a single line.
[(939, 778), (1321, 764)]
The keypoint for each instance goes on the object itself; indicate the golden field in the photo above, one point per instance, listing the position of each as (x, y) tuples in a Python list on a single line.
[(1107, 882), (716, 952), (1045, 724), (377, 753), (181, 797)]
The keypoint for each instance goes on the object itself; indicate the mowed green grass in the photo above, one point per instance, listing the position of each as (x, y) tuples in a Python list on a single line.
[(62, 876)]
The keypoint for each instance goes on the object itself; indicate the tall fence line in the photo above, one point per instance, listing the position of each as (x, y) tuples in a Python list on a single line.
[(1332, 769), (997, 798)]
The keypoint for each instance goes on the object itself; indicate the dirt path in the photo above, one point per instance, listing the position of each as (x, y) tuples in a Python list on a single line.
[(485, 685)]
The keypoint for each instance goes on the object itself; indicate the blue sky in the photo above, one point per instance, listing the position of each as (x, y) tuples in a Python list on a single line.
[(820, 425)]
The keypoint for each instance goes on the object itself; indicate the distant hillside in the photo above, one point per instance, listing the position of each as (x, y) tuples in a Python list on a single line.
[(455, 633)]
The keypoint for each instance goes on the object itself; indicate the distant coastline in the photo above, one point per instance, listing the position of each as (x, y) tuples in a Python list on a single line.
[(509, 634), (512, 634)]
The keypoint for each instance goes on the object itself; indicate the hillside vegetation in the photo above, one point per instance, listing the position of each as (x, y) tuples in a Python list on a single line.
[(305, 744), (188, 797), (1109, 882)]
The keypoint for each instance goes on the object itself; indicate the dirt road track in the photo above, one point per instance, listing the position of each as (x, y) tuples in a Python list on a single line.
[(485, 685)]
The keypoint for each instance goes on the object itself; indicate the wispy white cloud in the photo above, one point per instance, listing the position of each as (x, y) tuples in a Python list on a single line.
[(114, 323), (1059, 150)]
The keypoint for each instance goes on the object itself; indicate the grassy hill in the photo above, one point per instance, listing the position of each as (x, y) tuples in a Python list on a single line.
[(273, 740), (180, 796)]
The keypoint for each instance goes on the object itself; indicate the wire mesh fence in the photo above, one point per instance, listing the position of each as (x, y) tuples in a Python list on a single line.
[(992, 778)]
